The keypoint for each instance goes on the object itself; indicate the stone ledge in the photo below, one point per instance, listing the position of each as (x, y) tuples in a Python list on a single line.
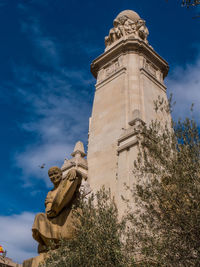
[(34, 262), (127, 146), (151, 77), (129, 45)]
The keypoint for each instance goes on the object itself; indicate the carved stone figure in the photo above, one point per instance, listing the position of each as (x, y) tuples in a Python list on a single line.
[(143, 32), (115, 33), (57, 221), (127, 23)]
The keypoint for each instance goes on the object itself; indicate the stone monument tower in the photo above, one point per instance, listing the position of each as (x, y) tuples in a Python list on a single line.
[(129, 78)]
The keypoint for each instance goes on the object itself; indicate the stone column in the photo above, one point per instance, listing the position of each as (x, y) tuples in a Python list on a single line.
[(129, 77)]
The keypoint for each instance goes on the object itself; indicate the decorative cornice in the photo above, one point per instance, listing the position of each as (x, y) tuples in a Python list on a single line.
[(83, 154), (64, 168), (129, 45), (150, 76), (109, 78), (127, 145)]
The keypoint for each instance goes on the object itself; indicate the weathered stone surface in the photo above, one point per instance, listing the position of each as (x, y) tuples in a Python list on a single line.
[(130, 76), (34, 262)]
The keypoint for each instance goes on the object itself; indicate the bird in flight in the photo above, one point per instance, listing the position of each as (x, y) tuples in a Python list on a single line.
[(42, 166)]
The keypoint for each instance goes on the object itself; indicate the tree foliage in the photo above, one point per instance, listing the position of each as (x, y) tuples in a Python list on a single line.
[(98, 239), (166, 225), (189, 3)]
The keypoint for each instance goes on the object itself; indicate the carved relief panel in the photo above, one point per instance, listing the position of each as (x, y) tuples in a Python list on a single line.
[(152, 69), (110, 69)]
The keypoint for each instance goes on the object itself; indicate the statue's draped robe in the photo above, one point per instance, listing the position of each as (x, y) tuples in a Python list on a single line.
[(61, 226)]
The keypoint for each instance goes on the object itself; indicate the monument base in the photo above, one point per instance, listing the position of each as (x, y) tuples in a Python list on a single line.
[(34, 262)]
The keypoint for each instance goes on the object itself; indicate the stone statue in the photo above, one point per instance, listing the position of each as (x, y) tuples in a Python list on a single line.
[(57, 221), (143, 32), (127, 23)]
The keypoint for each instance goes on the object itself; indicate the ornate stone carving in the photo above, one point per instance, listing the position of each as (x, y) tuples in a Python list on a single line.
[(152, 69), (110, 69), (57, 221), (127, 24)]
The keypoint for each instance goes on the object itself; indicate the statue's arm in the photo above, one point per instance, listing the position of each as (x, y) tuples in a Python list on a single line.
[(48, 206), (49, 211), (65, 194)]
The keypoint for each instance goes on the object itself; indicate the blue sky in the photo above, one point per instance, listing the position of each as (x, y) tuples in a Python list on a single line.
[(46, 90)]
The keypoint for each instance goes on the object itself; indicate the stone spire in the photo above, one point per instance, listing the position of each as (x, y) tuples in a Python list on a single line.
[(78, 161), (79, 150)]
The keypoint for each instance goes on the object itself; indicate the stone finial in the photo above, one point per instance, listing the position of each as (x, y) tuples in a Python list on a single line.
[(127, 23), (78, 161), (79, 149)]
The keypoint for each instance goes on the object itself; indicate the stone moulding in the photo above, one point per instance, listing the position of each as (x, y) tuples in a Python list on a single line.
[(129, 45), (127, 145), (128, 140), (151, 77), (109, 70), (111, 77), (77, 166)]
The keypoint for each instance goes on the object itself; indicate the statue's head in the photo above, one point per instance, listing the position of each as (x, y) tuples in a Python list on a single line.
[(55, 175), (141, 22), (123, 19), (120, 20)]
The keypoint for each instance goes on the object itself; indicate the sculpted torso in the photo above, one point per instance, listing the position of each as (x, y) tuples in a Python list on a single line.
[(57, 221), (48, 202)]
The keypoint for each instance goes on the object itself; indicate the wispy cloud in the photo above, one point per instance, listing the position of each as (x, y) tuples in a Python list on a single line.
[(16, 237), (55, 103), (55, 110), (46, 47), (184, 84), (57, 116)]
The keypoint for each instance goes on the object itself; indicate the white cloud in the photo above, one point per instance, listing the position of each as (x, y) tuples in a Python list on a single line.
[(57, 112), (184, 84), (16, 236), (57, 118), (34, 156)]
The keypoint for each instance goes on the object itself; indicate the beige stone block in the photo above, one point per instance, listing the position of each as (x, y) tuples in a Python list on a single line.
[(34, 262)]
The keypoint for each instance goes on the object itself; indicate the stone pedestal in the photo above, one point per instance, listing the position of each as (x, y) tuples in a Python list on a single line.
[(34, 262)]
